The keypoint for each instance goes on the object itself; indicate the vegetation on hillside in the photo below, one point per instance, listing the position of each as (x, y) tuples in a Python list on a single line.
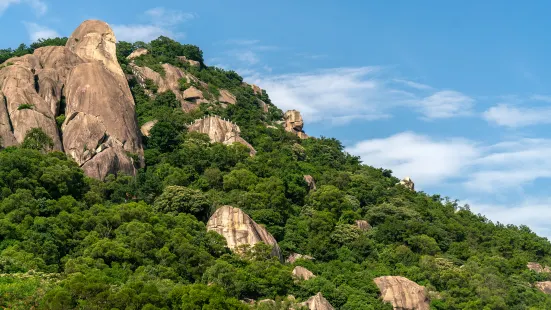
[(70, 242)]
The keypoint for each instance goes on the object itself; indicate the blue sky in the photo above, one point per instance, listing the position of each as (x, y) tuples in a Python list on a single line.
[(455, 95)]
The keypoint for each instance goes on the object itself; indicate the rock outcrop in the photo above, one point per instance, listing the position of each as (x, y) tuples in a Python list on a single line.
[(302, 273), (193, 63), (402, 293), (137, 53), (146, 128), (239, 229), (311, 182), (544, 286), (363, 225), (226, 97), (220, 131), (171, 82), (317, 302), (294, 256), (100, 128), (294, 123), (408, 183), (538, 268)]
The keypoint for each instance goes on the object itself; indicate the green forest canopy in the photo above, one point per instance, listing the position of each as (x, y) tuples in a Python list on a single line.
[(68, 241)]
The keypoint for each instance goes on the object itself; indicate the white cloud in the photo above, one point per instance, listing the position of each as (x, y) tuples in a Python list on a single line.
[(39, 7), (162, 22), (427, 161), (533, 212), (475, 167), (345, 94), (413, 84), (39, 32), (510, 116), (445, 104)]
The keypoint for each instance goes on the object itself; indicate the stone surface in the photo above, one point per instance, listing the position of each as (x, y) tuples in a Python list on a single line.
[(220, 131), (227, 97), (257, 90), (317, 302), (294, 256), (544, 286), (538, 268), (408, 183), (402, 293), (93, 41), (302, 273), (294, 123), (99, 116), (239, 229), (100, 128), (146, 128), (193, 63), (137, 53), (311, 182), (193, 94), (363, 225)]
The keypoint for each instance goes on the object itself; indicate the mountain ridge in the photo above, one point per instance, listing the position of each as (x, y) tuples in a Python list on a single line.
[(183, 187)]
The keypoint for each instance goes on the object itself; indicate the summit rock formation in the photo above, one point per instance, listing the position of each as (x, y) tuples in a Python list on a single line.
[(100, 131), (294, 123), (239, 229)]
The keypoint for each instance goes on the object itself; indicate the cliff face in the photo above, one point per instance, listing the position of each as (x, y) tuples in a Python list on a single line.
[(239, 229), (100, 129)]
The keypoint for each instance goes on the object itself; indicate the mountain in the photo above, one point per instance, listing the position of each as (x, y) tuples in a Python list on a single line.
[(135, 176)]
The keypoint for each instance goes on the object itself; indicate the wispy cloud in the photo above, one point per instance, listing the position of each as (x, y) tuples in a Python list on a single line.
[(472, 166), (39, 32), (511, 116), (345, 94), (427, 161), (533, 212), (445, 104), (162, 22), (39, 7)]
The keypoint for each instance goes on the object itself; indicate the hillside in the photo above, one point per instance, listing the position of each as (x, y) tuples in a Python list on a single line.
[(135, 176)]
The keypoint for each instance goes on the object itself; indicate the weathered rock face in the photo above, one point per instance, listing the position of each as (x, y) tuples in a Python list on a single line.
[(193, 63), (23, 106), (317, 302), (408, 183), (146, 128), (294, 256), (137, 53), (220, 131), (100, 128), (544, 286), (363, 225), (257, 90), (311, 182), (93, 41), (226, 97), (302, 273), (402, 293), (538, 268), (294, 123), (239, 229)]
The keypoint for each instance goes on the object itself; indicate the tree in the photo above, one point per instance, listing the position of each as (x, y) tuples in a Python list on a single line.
[(178, 199), (37, 139)]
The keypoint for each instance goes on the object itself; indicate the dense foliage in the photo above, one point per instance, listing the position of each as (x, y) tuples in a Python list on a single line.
[(67, 241)]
